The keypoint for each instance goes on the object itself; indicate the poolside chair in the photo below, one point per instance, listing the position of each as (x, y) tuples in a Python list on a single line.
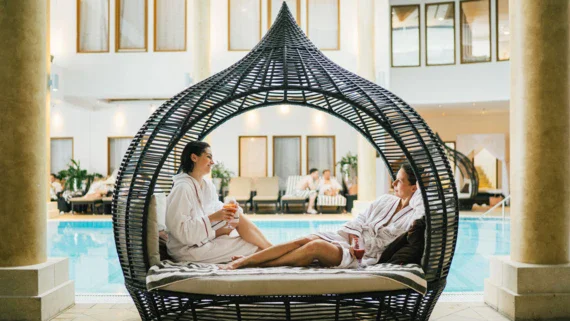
[(267, 192), (290, 198), (240, 188), (337, 201)]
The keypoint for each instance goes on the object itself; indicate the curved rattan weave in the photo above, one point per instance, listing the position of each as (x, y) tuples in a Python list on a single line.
[(284, 68), (466, 173)]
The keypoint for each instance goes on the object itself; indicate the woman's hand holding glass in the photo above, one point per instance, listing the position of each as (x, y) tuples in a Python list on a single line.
[(232, 205), (225, 214)]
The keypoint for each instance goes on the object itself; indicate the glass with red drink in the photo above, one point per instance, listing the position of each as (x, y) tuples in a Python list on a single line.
[(358, 247)]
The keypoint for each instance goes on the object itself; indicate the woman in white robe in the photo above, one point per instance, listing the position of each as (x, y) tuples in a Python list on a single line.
[(386, 219), (198, 225)]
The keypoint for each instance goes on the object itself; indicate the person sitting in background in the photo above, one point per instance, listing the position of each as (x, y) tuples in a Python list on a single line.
[(97, 188), (307, 187), (54, 187), (328, 185)]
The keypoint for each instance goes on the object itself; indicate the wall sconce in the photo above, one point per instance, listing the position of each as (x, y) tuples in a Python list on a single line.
[(284, 109), (188, 79), (53, 82)]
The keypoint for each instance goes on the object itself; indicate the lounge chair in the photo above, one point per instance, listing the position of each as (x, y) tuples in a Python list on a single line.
[(290, 197), (240, 188), (337, 201), (267, 192)]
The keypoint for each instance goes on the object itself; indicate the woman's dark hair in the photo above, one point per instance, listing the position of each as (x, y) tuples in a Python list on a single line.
[(407, 167), (326, 170), (196, 148), (313, 170)]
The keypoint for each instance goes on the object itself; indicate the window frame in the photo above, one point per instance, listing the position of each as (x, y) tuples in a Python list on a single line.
[(461, 2), (338, 23), (497, 32), (62, 138), (185, 29), (118, 29), (419, 37), (300, 151), (426, 33), (266, 152), (78, 29), (109, 149), (334, 151), (229, 29)]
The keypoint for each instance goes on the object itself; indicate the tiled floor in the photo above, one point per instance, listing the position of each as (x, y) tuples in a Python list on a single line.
[(444, 311)]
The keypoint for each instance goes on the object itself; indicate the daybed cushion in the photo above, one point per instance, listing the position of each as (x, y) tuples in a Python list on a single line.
[(201, 278), (156, 214), (284, 284)]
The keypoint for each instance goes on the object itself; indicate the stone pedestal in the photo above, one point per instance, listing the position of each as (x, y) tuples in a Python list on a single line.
[(52, 211), (36, 292), (523, 291)]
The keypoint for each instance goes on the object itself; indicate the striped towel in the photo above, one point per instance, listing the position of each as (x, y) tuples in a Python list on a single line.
[(167, 272)]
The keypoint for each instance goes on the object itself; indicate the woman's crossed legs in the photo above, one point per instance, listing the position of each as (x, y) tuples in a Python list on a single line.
[(300, 252)]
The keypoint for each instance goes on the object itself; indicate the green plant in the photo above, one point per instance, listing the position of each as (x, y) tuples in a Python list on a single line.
[(348, 164), (220, 171), (75, 176)]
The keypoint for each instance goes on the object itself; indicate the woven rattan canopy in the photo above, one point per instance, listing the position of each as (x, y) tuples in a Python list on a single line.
[(284, 68)]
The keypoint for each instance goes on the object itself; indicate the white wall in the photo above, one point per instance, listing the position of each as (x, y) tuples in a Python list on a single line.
[(90, 129)]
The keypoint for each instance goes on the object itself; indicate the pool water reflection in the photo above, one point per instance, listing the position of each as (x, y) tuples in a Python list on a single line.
[(94, 263)]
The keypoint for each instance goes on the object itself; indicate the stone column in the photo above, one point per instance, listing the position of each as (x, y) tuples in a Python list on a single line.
[(366, 69), (534, 283), (201, 40), (33, 287), (23, 85)]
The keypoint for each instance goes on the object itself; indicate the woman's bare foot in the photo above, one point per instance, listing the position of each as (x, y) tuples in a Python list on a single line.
[(237, 257), (236, 264)]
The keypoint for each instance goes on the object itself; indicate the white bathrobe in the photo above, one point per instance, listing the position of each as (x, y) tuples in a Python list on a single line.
[(192, 236), (377, 226)]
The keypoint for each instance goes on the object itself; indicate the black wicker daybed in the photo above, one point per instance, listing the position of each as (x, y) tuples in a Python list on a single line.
[(285, 67)]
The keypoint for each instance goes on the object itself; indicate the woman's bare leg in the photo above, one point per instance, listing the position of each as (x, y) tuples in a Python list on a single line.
[(271, 253), (326, 253), (250, 233)]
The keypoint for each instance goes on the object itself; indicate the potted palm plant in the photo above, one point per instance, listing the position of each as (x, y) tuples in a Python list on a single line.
[(348, 168), (221, 176), (77, 180)]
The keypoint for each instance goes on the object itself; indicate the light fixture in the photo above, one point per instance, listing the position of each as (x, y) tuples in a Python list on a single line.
[(188, 79), (506, 32), (440, 19), (284, 109), (439, 106), (318, 118), (473, 104), (53, 82), (119, 119)]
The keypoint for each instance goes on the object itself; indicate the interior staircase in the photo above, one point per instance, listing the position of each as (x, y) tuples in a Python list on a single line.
[(484, 182)]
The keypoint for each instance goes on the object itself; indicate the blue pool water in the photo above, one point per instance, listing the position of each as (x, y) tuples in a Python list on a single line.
[(95, 267)]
